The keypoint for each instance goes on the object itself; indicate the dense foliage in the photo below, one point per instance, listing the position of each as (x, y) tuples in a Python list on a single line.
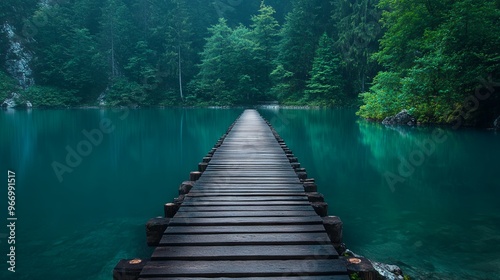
[(423, 56), (441, 60), (180, 52)]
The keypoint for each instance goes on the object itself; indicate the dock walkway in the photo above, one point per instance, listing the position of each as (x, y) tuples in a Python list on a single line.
[(247, 217)]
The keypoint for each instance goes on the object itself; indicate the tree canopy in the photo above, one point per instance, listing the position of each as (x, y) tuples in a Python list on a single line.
[(382, 55)]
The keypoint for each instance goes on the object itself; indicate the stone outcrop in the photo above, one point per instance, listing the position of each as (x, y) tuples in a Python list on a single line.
[(15, 100), (402, 118)]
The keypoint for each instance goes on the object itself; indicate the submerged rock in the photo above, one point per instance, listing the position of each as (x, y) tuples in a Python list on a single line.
[(388, 271), (496, 124), (102, 99), (385, 271), (402, 118), (15, 100), (12, 101)]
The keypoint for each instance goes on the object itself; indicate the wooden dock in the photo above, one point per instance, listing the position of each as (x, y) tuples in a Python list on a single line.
[(246, 217)]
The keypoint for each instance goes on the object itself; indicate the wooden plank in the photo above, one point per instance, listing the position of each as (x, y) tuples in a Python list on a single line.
[(259, 179), (254, 175), (254, 197), (187, 229), (245, 191), (267, 268), (311, 238), (247, 221), (235, 180), (285, 165), (220, 253), (247, 217), (254, 161), (197, 192), (257, 186), (216, 214), (325, 277), (258, 209), (243, 203)]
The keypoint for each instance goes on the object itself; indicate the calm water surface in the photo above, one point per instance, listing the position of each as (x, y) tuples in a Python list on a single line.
[(81, 227), (441, 220)]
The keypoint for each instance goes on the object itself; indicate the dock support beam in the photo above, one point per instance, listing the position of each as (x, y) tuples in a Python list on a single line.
[(128, 269), (155, 229)]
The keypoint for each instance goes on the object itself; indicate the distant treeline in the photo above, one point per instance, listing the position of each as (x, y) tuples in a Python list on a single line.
[(424, 56)]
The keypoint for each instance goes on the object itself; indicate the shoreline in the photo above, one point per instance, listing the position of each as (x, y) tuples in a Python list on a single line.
[(267, 107)]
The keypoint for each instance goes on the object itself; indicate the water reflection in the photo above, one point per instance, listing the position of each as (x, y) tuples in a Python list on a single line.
[(441, 222), (79, 228)]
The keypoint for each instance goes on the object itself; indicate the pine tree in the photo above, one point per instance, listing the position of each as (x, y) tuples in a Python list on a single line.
[(229, 71), (357, 36), (436, 53), (265, 32), (246, 67), (299, 37), (117, 32), (179, 38), (325, 85), (214, 62), (80, 70)]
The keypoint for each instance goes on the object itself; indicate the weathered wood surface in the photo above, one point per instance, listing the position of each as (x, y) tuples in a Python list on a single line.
[(246, 217), (253, 268), (329, 277)]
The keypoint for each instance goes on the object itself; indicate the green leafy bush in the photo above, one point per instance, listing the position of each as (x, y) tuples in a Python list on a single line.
[(41, 96), (435, 58), (7, 86), (385, 97), (125, 93)]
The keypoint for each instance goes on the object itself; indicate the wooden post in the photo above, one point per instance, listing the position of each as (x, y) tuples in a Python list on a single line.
[(186, 187), (194, 176), (170, 209), (321, 208), (128, 269), (295, 165), (310, 187), (219, 143), (207, 159), (363, 267), (179, 200), (293, 159), (302, 175), (315, 197), (154, 230), (333, 226), (202, 166)]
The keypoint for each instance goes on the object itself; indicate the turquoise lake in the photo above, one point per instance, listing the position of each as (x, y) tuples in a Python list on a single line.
[(426, 199)]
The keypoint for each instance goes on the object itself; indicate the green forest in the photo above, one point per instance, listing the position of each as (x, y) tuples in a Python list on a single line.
[(439, 60)]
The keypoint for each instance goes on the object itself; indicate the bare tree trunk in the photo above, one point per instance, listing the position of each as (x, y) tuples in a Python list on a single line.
[(113, 70), (180, 74)]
